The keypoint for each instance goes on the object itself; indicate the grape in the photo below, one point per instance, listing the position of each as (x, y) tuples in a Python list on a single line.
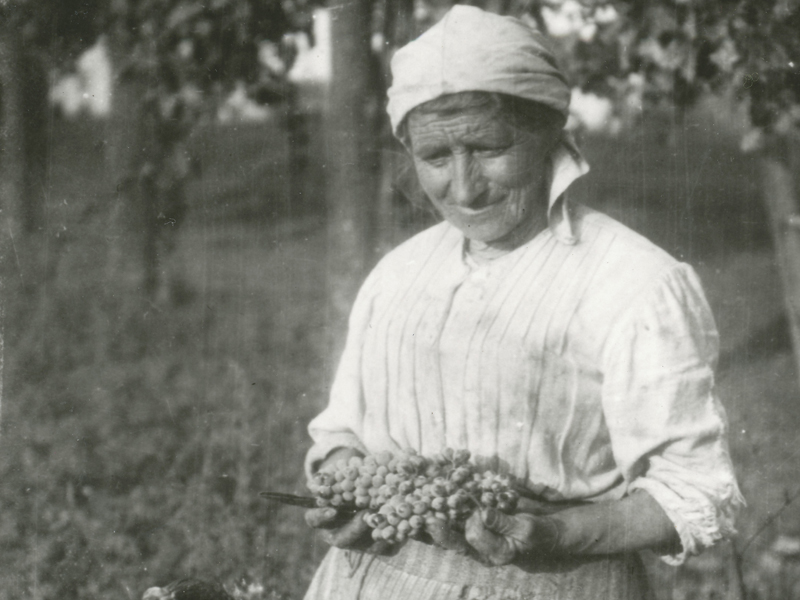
[(400, 493), (439, 489), (405, 487), (406, 468), (420, 507), (461, 457), (383, 458), (439, 503)]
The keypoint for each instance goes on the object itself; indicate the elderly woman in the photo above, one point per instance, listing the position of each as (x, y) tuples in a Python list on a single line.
[(552, 342)]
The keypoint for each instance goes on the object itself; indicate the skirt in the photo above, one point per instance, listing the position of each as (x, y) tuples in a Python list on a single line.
[(420, 571)]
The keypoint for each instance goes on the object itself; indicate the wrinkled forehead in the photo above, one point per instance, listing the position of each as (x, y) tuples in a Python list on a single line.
[(471, 126)]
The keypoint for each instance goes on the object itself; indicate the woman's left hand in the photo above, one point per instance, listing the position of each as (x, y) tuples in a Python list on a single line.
[(500, 538)]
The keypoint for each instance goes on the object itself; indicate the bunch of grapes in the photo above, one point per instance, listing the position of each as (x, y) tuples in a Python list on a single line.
[(400, 494)]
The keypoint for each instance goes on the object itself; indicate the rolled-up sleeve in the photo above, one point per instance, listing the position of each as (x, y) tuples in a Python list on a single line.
[(340, 425), (668, 428)]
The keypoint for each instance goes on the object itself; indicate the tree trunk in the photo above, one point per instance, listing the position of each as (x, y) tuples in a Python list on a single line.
[(779, 166), (131, 270), (351, 163), (12, 154), (23, 134)]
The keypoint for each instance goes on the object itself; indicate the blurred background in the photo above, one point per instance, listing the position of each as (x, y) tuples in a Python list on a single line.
[(191, 192)]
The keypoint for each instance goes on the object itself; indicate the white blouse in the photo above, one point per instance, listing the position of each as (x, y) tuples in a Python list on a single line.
[(583, 369), (581, 363)]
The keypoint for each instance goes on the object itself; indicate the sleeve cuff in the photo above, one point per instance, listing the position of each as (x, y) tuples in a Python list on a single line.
[(700, 523)]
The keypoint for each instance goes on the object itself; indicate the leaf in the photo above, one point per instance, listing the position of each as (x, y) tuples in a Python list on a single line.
[(182, 14), (726, 56)]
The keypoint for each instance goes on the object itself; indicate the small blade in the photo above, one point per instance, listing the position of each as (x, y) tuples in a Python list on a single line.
[(291, 499)]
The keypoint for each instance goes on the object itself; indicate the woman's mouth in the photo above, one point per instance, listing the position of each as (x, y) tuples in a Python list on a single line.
[(478, 208)]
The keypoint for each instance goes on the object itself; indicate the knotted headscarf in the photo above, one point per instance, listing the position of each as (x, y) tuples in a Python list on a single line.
[(472, 50)]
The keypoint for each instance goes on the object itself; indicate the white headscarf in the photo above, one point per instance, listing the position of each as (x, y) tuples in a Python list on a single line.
[(473, 50)]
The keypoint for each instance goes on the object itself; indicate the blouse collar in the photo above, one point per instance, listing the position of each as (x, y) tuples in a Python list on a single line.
[(568, 165)]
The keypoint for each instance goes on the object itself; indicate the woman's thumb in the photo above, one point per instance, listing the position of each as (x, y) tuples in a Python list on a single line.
[(498, 522)]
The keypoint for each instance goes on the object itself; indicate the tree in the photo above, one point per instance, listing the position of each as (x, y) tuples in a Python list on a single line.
[(35, 35), (351, 139), (172, 62)]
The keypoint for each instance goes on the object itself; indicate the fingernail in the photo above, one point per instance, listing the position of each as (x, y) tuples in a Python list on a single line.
[(330, 513)]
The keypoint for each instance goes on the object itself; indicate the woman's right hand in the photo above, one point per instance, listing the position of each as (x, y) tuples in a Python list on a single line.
[(345, 530)]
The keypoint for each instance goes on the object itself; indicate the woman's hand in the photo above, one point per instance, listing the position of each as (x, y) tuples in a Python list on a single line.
[(446, 537), (344, 529), (634, 523), (500, 538)]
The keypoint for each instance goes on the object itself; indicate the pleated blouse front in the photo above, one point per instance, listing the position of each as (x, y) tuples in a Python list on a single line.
[(584, 370)]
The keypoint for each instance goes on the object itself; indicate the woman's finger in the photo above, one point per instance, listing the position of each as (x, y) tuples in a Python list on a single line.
[(495, 548), (519, 528), (445, 537), (354, 533), (321, 517)]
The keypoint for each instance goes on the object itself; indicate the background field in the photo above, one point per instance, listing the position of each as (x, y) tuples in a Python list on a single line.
[(123, 468)]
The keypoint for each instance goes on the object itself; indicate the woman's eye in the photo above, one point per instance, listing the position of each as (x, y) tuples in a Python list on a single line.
[(436, 158), (490, 151)]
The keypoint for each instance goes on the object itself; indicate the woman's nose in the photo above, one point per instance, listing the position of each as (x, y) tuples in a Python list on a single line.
[(466, 183)]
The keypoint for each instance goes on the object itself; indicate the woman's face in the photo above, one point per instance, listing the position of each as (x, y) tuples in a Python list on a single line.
[(484, 176)]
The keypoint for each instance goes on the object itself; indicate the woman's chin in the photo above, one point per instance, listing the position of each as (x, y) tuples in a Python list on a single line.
[(483, 226), (482, 233)]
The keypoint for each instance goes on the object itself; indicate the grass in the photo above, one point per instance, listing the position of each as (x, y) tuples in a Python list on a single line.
[(136, 436)]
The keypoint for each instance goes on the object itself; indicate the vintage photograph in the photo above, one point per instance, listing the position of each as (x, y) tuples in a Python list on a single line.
[(399, 300)]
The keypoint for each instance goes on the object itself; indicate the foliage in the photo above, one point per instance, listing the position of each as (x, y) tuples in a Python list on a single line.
[(120, 472), (61, 30), (672, 52)]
